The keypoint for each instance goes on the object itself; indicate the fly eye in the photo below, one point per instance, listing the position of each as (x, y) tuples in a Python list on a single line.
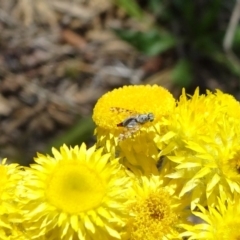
[(150, 117)]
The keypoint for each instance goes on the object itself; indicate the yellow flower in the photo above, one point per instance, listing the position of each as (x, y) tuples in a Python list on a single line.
[(117, 110), (220, 222), (155, 212), (76, 194), (202, 146), (10, 216)]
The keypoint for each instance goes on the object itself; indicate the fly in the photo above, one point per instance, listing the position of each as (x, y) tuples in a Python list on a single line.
[(133, 123)]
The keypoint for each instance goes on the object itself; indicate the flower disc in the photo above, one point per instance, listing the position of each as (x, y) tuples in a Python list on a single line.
[(77, 193)]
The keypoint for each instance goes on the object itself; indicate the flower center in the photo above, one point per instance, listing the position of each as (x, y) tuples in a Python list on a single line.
[(153, 217), (75, 188)]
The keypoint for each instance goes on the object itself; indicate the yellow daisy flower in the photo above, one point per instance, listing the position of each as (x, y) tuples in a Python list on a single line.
[(220, 222), (10, 216), (155, 212), (202, 146), (127, 121), (76, 194)]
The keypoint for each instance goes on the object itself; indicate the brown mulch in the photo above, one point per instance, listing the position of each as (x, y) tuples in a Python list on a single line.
[(57, 58)]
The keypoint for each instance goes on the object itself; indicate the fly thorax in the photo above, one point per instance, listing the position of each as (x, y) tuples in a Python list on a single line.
[(142, 118)]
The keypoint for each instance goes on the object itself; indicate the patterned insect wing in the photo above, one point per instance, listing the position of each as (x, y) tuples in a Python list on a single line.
[(132, 123)]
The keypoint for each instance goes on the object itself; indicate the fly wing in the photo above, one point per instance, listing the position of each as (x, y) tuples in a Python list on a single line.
[(123, 110), (131, 117), (130, 122)]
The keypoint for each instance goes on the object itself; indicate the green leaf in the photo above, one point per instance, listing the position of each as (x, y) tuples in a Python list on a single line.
[(131, 8), (157, 7), (210, 15), (150, 43), (182, 74), (236, 39), (223, 60), (79, 133)]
